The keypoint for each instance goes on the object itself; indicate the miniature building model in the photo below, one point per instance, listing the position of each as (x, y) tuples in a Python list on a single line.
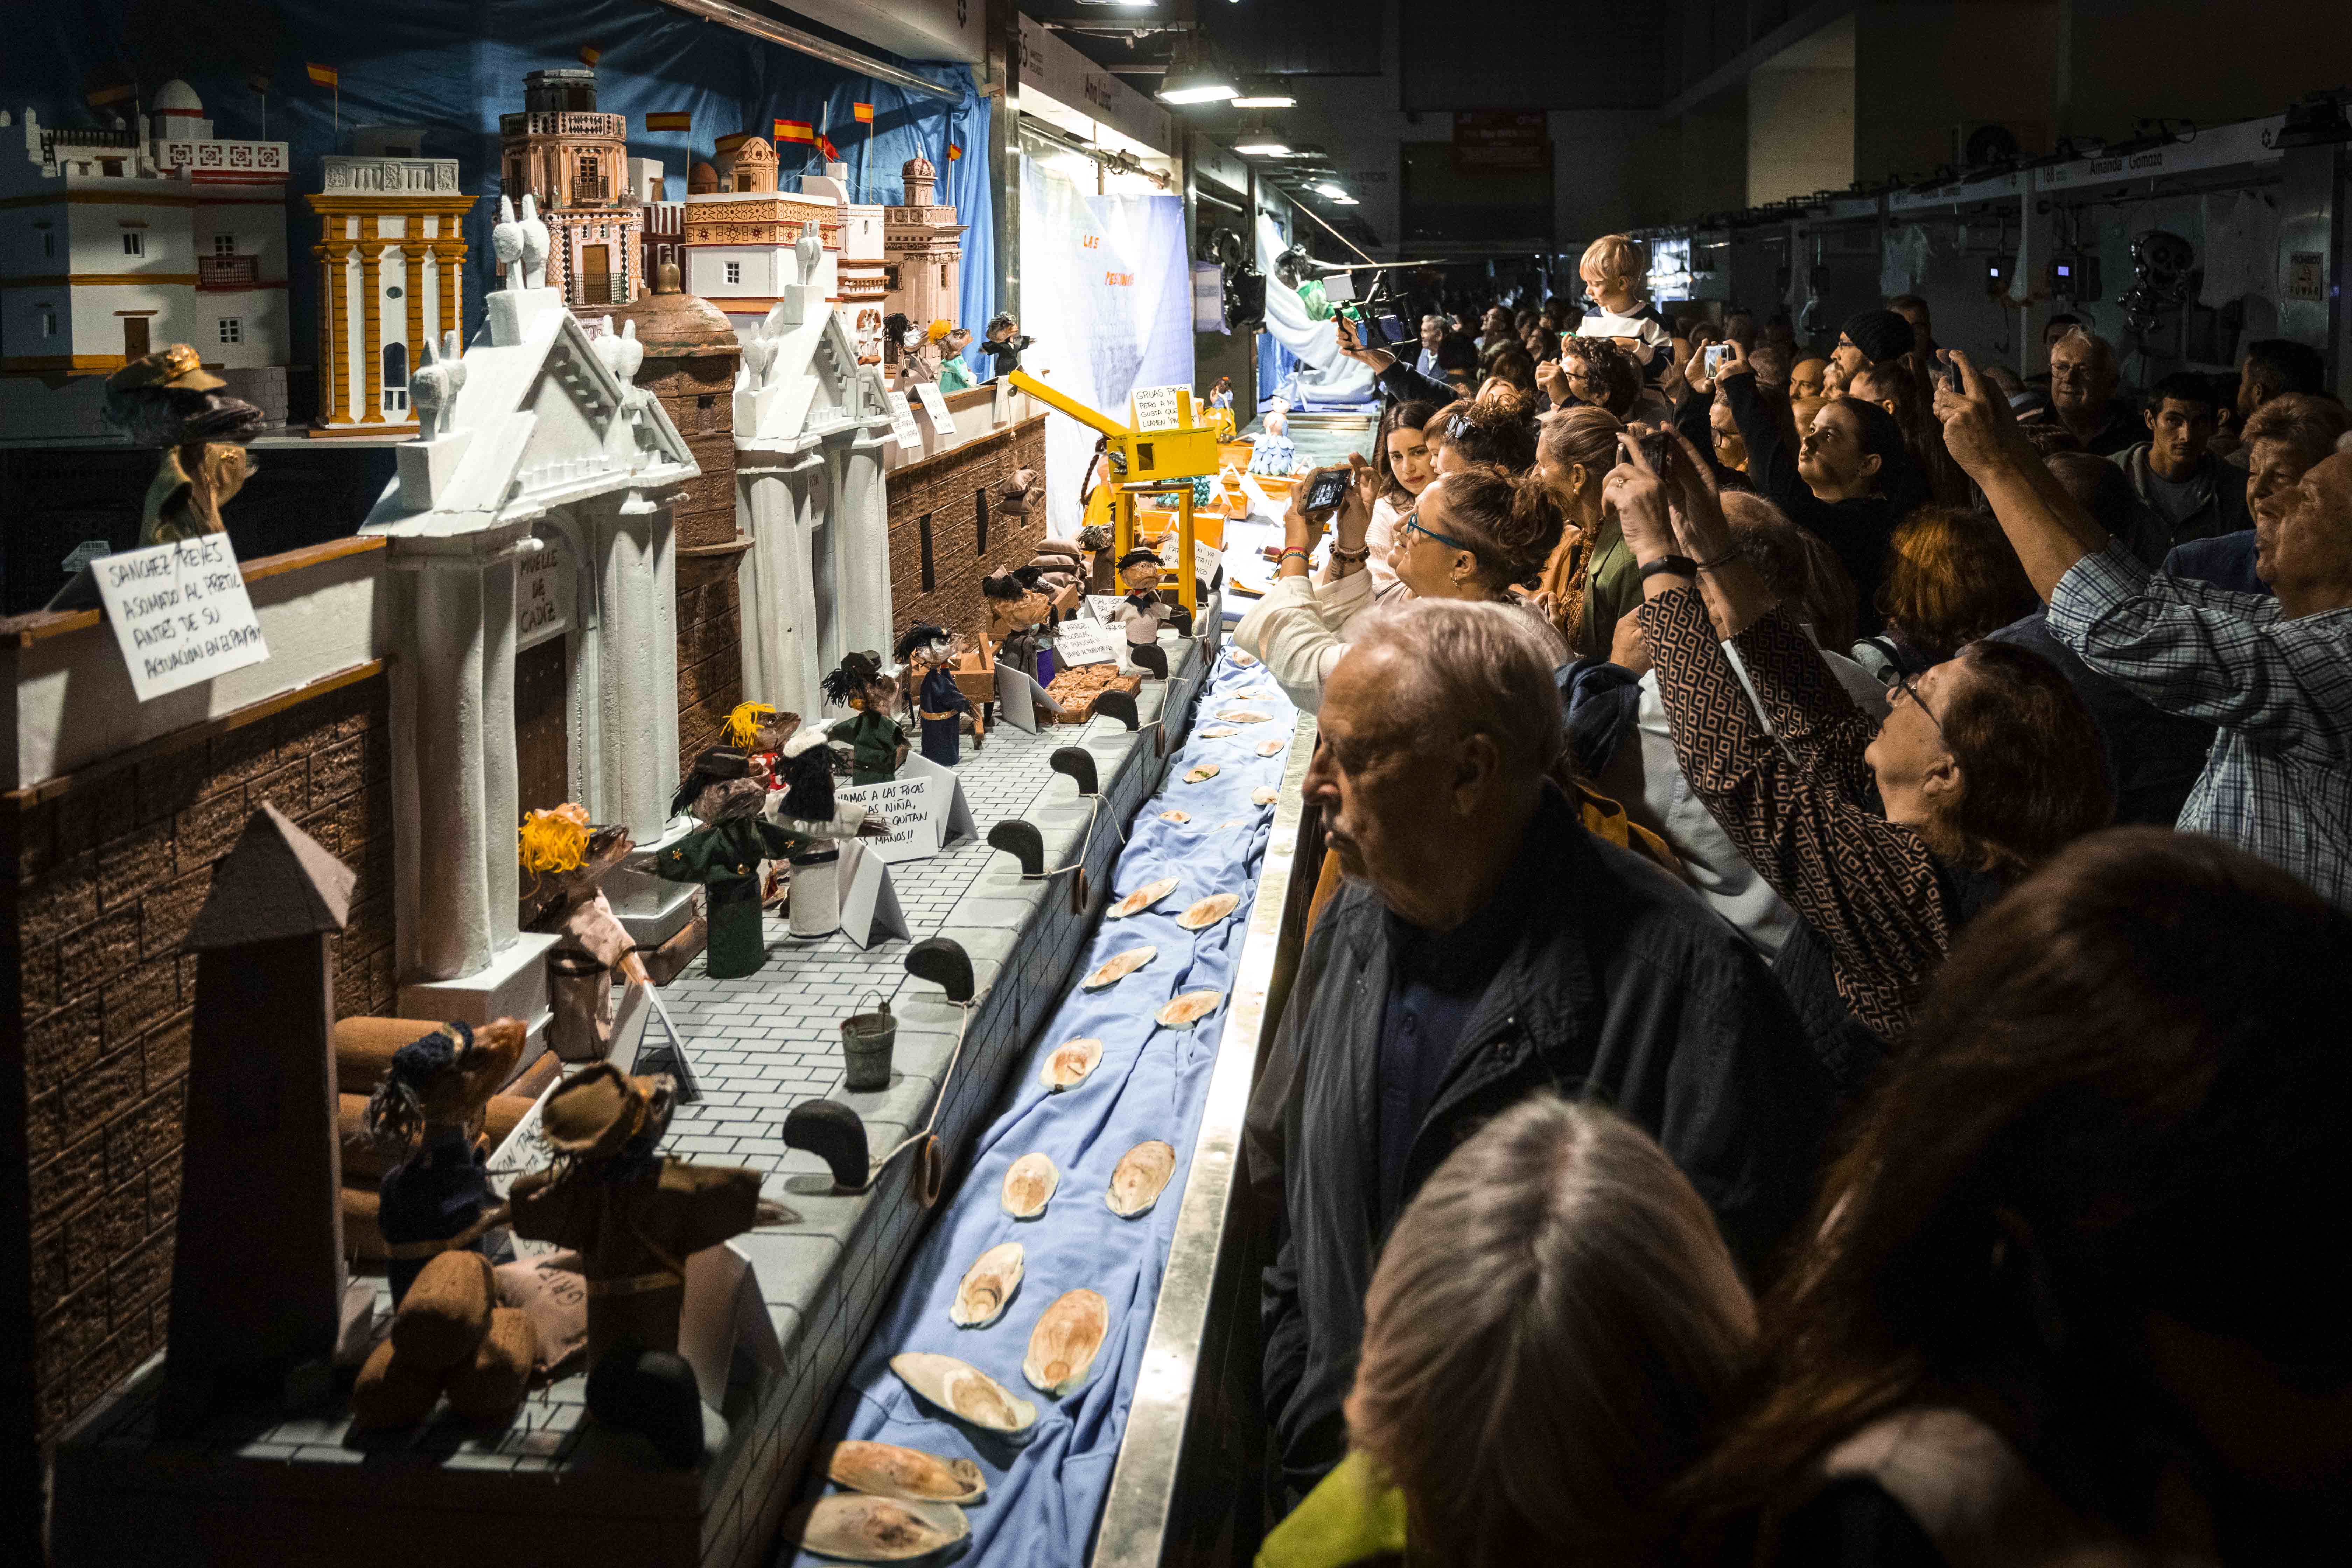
[(392, 255), (531, 540), (924, 244), (741, 231), (810, 425), (863, 280), (576, 161), (123, 240)]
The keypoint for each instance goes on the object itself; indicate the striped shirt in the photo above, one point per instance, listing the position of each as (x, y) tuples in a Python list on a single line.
[(2278, 781)]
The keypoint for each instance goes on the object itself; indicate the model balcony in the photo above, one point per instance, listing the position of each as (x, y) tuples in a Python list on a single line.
[(566, 123), (228, 271)]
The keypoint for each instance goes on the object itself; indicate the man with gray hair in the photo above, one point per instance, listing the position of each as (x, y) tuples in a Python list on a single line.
[(1486, 946)]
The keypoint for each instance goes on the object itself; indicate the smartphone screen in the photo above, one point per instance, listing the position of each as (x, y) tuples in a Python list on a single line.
[(1325, 491), (1715, 353)]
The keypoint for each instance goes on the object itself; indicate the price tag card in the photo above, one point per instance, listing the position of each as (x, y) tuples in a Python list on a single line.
[(1156, 407), (935, 403), (180, 613), (902, 425), (1088, 642)]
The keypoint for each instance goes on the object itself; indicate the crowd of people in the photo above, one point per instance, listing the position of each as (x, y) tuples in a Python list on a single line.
[(1817, 1037)]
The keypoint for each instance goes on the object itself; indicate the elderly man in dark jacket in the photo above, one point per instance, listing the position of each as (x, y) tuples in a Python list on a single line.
[(1486, 946)]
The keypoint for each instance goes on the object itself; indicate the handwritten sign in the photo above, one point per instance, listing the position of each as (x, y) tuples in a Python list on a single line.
[(902, 425), (1206, 563), (180, 613), (1104, 608), (542, 599), (1156, 407), (905, 804), (935, 403), (1088, 642)]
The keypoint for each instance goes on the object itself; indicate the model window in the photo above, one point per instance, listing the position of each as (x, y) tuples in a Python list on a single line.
[(48, 322), (587, 168), (232, 330), (133, 243), (734, 272), (224, 244), (395, 377), (49, 243)]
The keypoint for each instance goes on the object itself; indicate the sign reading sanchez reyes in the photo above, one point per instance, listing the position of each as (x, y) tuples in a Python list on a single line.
[(180, 613)]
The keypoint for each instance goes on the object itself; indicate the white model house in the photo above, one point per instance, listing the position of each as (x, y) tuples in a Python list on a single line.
[(810, 425), (741, 231), (125, 239)]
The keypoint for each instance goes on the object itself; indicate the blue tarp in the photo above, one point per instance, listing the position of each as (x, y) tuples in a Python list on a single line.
[(1043, 1496), (453, 68)]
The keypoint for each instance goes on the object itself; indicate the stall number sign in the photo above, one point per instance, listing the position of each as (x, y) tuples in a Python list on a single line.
[(902, 425), (1087, 642), (542, 600), (1156, 407), (180, 613), (935, 403)]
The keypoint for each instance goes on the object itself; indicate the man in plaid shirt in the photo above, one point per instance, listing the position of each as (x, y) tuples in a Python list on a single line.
[(2276, 675)]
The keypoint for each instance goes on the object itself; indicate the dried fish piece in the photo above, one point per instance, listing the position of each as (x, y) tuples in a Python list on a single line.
[(1272, 748), (1179, 817), (964, 1392), (1189, 1008), (1243, 716), (850, 1527), (1218, 732), (885, 1469), (1243, 659), (1208, 911), (1142, 899), (1063, 1345), (1259, 694), (1069, 1064), (980, 1299), (1029, 1186), (1118, 966), (1265, 794), (1138, 1179), (1201, 773)]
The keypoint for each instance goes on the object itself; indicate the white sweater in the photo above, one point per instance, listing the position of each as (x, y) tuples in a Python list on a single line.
[(1299, 630)]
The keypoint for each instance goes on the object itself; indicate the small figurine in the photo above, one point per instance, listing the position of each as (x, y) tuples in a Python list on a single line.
[(928, 652), (806, 806), (634, 1217), (168, 399), (427, 1109), (955, 373), (566, 859), (1004, 344), (759, 731), (1015, 611), (919, 357), (724, 856), (1270, 450), (1220, 408), (876, 741), (1143, 609)]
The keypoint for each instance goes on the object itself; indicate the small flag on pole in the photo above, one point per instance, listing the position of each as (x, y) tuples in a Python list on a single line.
[(863, 112), (825, 144), (794, 130), (590, 54), (258, 81), (100, 97), (954, 152), (669, 121), (323, 76)]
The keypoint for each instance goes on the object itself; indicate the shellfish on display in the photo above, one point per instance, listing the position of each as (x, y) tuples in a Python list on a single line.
[(988, 1285), (964, 1392), (1203, 774), (885, 1470), (850, 1527), (1243, 716), (1069, 1065), (1218, 732), (1272, 748), (1189, 1008), (1063, 1345), (1142, 899), (1260, 693), (1118, 966), (1208, 911), (1138, 1179), (1179, 817), (1029, 1186), (1243, 659), (1265, 794)]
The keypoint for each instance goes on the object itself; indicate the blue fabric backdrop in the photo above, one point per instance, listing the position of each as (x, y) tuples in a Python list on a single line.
[(455, 67), (1045, 1494)]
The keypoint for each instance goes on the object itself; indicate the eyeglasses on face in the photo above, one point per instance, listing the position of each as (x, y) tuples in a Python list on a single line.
[(1412, 525), (1899, 681)]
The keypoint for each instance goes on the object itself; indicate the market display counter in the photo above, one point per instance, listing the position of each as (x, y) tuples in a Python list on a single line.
[(258, 1488)]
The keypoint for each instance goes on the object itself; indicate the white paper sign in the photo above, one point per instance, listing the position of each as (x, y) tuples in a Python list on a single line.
[(906, 804), (180, 613), (935, 403), (1087, 642), (1206, 563), (1156, 407), (948, 808), (869, 905), (542, 599), (902, 425), (1104, 608)]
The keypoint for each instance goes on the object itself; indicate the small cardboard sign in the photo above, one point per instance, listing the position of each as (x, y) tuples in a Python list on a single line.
[(902, 425), (1088, 642), (870, 904), (1156, 407), (180, 613), (723, 1312), (1018, 697), (946, 805), (1206, 563), (905, 802), (1104, 608), (935, 403)]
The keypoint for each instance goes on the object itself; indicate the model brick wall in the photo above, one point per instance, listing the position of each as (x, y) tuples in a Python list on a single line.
[(102, 880), (944, 490), (696, 393)]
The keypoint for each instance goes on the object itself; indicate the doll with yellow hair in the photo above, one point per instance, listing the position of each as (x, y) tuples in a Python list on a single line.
[(759, 731), (564, 858)]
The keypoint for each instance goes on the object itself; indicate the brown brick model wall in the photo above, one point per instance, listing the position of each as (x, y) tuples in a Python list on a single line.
[(697, 394), (943, 488), (98, 885)]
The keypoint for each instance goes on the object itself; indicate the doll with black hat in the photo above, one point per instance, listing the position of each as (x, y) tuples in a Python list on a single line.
[(876, 741), (1143, 609), (427, 1109), (926, 652), (724, 856)]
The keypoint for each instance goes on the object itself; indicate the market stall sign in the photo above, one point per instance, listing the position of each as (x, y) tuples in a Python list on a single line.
[(1087, 642), (935, 403), (180, 613), (1501, 141), (902, 426)]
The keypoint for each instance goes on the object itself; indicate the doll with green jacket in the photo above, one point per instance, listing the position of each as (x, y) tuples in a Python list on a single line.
[(724, 855), (876, 741)]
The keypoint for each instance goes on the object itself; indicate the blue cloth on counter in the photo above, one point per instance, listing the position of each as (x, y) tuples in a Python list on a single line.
[(1044, 1494)]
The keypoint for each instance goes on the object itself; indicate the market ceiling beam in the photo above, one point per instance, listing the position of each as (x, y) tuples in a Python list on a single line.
[(759, 27)]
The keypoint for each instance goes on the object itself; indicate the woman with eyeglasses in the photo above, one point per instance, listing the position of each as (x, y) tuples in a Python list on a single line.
[(1885, 839)]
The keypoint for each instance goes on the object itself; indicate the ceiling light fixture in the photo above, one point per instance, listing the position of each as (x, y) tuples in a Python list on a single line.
[(1266, 92), (1326, 188), (1260, 147), (1190, 80)]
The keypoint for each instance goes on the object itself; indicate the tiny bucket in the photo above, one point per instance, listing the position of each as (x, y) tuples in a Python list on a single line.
[(865, 1042)]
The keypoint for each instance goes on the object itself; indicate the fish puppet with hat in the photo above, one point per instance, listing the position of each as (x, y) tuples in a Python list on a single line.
[(1144, 607), (928, 653), (724, 856), (1017, 609), (168, 399), (565, 859), (428, 1111), (633, 1216), (759, 731), (877, 742)]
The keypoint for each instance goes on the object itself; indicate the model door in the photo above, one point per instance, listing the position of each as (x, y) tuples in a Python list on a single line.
[(596, 274), (542, 733), (135, 337)]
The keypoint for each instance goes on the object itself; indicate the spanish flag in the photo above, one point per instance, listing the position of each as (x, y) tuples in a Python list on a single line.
[(590, 54), (954, 152), (794, 130), (323, 76), (825, 145), (99, 97), (669, 121), (862, 112)]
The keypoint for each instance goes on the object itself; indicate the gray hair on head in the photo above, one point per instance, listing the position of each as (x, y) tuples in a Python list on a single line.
[(1473, 667), (2103, 353)]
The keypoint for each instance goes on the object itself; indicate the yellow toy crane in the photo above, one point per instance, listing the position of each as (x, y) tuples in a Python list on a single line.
[(1146, 461)]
